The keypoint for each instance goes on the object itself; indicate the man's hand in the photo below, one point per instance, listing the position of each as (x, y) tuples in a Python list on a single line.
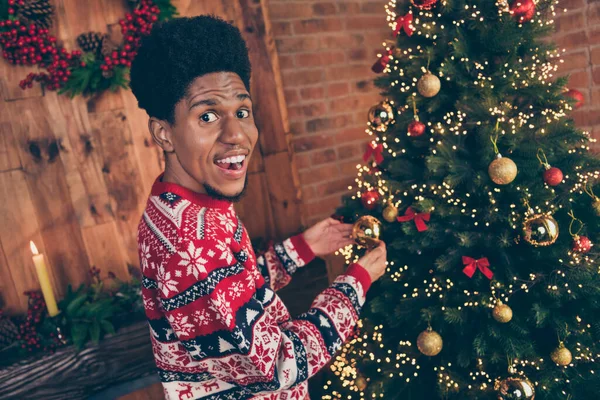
[(327, 236)]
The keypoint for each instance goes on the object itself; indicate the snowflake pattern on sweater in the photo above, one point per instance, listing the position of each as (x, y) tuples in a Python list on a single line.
[(218, 329)]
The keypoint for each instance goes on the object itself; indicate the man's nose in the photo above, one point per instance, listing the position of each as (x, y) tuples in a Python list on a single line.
[(232, 132)]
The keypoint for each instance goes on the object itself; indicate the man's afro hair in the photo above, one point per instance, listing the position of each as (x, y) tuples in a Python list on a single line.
[(178, 51)]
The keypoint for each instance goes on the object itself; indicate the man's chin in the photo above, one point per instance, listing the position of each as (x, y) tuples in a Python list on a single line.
[(215, 193)]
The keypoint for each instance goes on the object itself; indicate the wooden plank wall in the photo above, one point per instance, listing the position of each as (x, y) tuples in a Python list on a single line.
[(75, 173)]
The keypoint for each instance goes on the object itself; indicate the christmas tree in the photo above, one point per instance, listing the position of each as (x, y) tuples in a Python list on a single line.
[(484, 193)]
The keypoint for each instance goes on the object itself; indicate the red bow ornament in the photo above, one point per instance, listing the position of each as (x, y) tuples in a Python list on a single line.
[(405, 23), (375, 150), (471, 265), (419, 218)]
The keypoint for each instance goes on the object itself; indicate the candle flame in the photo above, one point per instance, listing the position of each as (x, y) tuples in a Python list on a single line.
[(34, 249)]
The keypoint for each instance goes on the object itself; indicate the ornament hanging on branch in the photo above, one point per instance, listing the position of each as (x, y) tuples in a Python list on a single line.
[(577, 96), (374, 149), (472, 265), (514, 388), (589, 190), (390, 213), (416, 128), (424, 4), (581, 244), (366, 231), (540, 229), (552, 175), (361, 383), (428, 85), (523, 10), (429, 342), (561, 355), (419, 218), (383, 61), (502, 312), (370, 199), (404, 23), (502, 170), (381, 116)]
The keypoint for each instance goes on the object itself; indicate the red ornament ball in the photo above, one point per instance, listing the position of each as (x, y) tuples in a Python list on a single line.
[(416, 128), (370, 199), (423, 4), (582, 244), (524, 10), (553, 176), (576, 95)]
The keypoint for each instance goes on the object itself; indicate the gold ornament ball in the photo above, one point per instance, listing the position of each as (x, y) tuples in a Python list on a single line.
[(366, 231), (561, 355), (381, 115), (502, 170), (514, 388), (429, 85), (502, 313), (390, 213), (430, 343), (360, 382), (540, 230), (596, 206)]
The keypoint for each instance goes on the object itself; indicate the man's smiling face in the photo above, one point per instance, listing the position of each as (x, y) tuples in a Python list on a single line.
[(213, 136)]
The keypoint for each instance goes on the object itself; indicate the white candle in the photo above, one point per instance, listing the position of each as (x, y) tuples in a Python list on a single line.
[(42, 274)]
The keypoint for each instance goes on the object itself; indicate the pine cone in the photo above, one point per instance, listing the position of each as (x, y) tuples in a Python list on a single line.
[(108, 74), (38, 12), (8, 332), (91, 42), (108, 47)]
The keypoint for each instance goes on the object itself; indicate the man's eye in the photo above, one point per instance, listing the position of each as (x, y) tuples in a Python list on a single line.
[(208, 117), (243, 114)]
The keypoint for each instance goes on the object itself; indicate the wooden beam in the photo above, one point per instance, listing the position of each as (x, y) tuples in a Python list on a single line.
[(69, 375)]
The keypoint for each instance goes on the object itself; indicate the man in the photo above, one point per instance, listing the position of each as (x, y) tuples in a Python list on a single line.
[(218, 329)]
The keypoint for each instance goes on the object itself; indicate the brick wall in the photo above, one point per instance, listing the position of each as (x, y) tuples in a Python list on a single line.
[(326, 49)]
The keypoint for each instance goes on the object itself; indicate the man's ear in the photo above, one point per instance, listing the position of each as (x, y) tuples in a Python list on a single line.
[(161, 133)]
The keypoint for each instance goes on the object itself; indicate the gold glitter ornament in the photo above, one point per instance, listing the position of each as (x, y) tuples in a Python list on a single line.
[(429, 342), (366, 231), (361, 383), (596, 206), (502, 312), (390, 213), (561, 355), (514, 388), (540, 230), (429, 85), (502, 170)]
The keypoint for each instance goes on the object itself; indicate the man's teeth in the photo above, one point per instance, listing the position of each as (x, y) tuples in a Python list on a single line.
[(230, 160)]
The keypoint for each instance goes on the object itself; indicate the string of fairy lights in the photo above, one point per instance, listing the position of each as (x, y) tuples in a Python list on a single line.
[(511, 120)]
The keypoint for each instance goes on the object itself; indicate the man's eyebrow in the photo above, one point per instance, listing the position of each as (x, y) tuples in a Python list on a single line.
[(206, 102), (243, 96), (214, 102)]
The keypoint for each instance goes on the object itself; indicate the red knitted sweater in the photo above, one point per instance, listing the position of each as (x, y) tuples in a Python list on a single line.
[(218, 329)]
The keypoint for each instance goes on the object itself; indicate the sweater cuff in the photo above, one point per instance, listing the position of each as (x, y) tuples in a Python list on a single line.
[(303, 249), (360, 273)]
